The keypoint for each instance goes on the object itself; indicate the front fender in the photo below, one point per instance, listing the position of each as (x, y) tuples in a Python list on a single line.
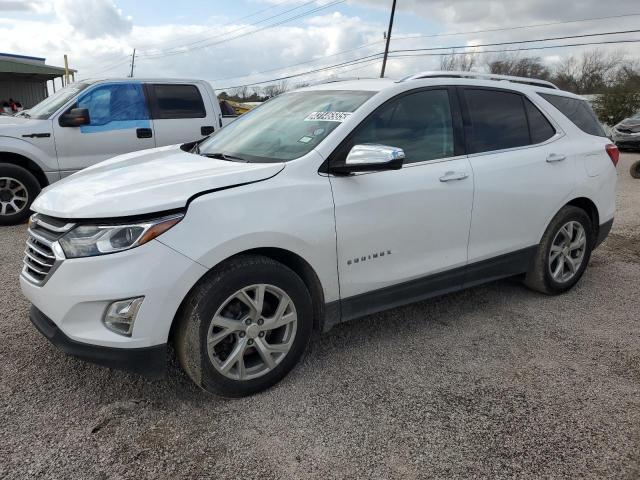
[(39, 156)]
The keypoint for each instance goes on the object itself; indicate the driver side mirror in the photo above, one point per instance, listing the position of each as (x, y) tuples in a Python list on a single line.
[(75, 118), (371, 158)]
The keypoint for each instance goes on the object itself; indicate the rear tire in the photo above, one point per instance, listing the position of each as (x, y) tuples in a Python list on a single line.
[(563, 253), (18, 190), (244, 327), (635, 170)]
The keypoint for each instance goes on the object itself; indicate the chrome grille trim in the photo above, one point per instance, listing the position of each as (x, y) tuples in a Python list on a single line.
[(33, 246), (42, 255), (52, 228), (33, 258)]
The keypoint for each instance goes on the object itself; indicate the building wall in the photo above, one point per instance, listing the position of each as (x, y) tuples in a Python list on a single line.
[(27, 92)]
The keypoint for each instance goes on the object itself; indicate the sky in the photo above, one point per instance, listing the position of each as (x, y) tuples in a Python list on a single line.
[(241, 42)]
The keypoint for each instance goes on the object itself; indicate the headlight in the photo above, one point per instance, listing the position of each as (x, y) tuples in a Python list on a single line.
[(92, 240)]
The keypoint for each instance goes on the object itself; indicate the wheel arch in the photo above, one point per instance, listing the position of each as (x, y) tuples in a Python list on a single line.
[(591, 209), (288, 258), (25, 162)]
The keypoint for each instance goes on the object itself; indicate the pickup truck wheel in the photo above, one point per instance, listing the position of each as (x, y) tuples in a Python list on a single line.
[(18, 189), (563, 253), (244, 327)]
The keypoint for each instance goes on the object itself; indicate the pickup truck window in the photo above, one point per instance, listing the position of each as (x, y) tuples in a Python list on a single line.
[(51, 104), (115, 105), (286, 127), (171, 101)]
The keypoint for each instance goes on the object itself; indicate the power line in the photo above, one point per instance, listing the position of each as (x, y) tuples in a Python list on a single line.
[(238, 19), (548, 39), (504, 29), (375, 56), (286, 20), (540, 47), (168, 50), (418, 36), (298, 64), (402, 54)]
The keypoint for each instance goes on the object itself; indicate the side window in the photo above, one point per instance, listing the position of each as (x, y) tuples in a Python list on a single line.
[(541, 129), (173, 101), (419, 123), (116, 102), (498, 120), (578, 111)]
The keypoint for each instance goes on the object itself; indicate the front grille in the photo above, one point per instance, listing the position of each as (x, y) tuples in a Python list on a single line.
[(40, 259)]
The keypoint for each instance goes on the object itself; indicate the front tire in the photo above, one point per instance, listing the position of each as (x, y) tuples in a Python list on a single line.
[(18, 190), (563, 253), (244, 327)]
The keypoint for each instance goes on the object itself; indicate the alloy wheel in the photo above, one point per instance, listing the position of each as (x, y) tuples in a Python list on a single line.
[(252, 332), (13, 196), (567, 251)]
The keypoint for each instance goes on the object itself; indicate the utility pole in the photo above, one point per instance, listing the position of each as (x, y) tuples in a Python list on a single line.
[(133, 62), (386, 48), (66, 70)]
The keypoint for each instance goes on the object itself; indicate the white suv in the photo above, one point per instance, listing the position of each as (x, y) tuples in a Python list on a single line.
[(322, 205)]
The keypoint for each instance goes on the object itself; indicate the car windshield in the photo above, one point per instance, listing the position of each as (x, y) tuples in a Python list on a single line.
[(284, 128), (50, 105)]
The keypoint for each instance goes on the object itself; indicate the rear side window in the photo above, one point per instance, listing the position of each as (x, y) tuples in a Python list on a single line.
[(541, 129), (578, 111), (177, 101), (498, 120)]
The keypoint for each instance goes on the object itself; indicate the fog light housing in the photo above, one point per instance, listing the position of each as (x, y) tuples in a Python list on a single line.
[(120, 315)]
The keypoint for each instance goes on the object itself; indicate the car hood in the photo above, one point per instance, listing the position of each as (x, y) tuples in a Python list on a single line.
[(144, 182), (630, 123), (18, 126)]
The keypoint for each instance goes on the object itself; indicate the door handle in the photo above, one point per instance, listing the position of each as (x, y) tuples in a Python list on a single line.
[(555, 157), (207, 130), (447, 177), (144, 133)]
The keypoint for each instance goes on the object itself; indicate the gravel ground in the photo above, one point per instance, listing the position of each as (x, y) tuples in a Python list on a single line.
[(493, 382)]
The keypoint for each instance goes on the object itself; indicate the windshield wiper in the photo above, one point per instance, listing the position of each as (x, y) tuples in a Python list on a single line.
[(224, 156)]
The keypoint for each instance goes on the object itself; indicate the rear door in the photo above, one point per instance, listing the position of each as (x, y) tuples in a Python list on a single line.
[(179, 113), (522, 169), (120, 123), (397, 229)]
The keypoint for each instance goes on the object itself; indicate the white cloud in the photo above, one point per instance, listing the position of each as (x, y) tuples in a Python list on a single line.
[(93, 18), (34, 6), (99, 38)]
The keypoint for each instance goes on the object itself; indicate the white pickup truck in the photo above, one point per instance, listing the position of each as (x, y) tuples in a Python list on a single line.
[(90, 121)]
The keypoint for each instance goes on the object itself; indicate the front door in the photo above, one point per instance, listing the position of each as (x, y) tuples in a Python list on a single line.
[(402, 235), (120, 123)]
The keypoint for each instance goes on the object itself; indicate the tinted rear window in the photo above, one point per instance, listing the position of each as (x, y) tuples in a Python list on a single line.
[(578, 111), (498, 120), (539, 126), (177, 101)]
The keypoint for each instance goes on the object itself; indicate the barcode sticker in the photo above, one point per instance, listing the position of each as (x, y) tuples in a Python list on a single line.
[(327, 116)]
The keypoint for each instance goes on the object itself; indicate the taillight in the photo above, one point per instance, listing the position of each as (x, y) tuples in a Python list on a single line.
[(614, 153)]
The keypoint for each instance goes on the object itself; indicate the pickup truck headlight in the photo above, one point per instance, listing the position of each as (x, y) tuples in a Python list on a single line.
[(91, 240)]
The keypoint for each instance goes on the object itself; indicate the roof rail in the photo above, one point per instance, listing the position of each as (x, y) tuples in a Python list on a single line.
[(483, 76)]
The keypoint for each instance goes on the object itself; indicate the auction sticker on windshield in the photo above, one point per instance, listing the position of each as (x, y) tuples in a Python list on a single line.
[(327, 116)]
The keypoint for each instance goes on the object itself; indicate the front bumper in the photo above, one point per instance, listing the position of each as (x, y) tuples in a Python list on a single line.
[(148, 361), (76, 296)]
